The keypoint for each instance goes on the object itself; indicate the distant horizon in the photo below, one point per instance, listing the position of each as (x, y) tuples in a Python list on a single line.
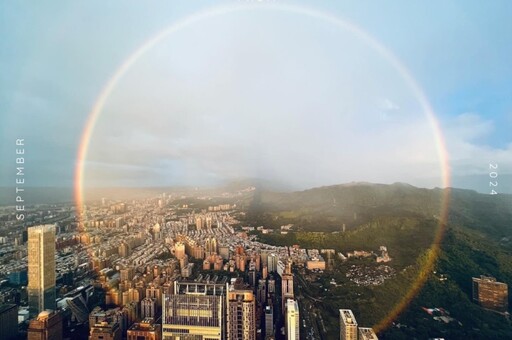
[(223, 185), (67, 193), (249, 182)]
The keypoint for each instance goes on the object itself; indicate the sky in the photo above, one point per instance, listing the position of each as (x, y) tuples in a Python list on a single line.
[(303, 93)]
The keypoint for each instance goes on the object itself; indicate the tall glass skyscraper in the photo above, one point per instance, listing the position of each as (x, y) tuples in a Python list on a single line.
[(41, 268)]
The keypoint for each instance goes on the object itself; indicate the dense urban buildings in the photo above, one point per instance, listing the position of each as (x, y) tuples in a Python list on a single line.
[(151, 270), (490, 294), (41, 268), (144, 271)]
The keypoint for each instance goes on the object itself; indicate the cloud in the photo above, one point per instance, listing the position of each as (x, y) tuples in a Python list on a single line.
[(470, 126), (465, 136), (389, 105), (301, 109)]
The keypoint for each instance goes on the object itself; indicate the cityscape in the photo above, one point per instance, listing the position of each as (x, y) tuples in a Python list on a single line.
[(255, 170), (192, 265), (155, 270)]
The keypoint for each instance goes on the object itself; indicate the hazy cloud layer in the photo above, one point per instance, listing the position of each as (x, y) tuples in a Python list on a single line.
[(468, 154), (245, 100), (257, 93)]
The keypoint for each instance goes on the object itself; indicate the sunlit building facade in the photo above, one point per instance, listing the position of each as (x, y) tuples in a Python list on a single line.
[(348, 325), (366, 333), (292, 320), (145, 330), (105, 331), (287, 285), (41, 268), (490, 294), (47, 326), (241, 319), (196, 311)]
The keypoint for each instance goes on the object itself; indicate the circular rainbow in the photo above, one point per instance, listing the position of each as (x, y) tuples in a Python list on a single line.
[(97, 108)]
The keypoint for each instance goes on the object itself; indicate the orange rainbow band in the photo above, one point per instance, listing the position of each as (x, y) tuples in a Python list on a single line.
[(344, 24)]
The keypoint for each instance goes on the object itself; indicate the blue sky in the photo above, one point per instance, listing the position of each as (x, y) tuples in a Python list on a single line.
[(309, 92)]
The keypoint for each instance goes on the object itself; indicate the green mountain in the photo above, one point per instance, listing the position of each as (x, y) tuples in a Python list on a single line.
[(477, 240), (354, 204)]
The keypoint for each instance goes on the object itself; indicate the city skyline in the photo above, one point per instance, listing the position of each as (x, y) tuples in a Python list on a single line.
[(222, 98), (210, 266)]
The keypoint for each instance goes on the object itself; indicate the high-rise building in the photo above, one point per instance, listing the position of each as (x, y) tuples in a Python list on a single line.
[(261, 292), (126, 274), (264, 257), (209, 222), (145, 330), (8, 321), (179, 250), (210, 246), (154, 292), (292, 320), (157, 234), (271, 288), (490, 294), (272, 262), (241, 320), (269, 321), (124, 249), (348, 325), (287, 284), (148, 308), (367, 334), (199, 223), (196, 311), (264, 272), (213, 245), (252, 276), (47, 326), (41, 268)]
